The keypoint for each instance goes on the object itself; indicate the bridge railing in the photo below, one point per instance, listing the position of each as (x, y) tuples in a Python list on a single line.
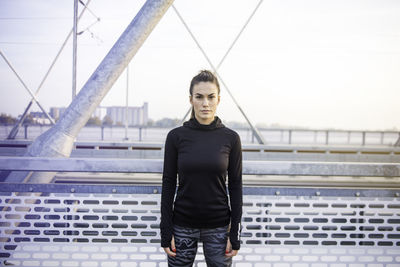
[(118, 225), (154, 150), (273, 136)]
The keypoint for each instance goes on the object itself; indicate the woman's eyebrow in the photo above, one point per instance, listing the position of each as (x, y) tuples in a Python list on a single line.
[(205, 94)]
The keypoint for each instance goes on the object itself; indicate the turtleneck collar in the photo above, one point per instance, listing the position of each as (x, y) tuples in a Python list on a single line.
[(194, 124)]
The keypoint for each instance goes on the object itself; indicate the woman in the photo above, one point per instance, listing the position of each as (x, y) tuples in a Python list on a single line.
[(202, 152)]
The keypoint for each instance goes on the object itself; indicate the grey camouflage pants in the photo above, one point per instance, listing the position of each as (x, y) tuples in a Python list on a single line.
[(214, 245)]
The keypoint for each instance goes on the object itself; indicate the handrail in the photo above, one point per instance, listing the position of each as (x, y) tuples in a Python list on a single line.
[(48, 164), (337, 149), (234, 127), (284, 135), (156, 189)]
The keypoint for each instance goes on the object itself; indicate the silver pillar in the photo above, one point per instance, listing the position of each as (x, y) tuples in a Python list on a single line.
[(58, 141)]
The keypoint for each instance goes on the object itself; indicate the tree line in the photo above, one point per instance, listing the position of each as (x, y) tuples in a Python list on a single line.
[(6, 119)]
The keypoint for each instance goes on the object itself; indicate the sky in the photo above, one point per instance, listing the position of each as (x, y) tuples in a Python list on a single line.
[(303, 63)]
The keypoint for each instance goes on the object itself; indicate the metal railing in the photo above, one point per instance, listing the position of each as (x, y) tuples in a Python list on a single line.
[(271, 135), (42, 164), (154, 150), (118, 225)]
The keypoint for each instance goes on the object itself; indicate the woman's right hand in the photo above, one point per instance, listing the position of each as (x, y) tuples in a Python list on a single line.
[(168, 250)]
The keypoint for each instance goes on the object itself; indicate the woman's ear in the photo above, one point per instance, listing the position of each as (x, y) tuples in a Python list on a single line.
[(191, 99), (219, 98)]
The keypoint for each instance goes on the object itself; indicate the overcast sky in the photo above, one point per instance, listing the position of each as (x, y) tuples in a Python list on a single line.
[(317, 64)]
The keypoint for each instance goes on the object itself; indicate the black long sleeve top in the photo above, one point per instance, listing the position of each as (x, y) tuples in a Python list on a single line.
[(202, 156)]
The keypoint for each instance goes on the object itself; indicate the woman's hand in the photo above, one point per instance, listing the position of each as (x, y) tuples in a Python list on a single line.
[(168, 250), (229, 252)]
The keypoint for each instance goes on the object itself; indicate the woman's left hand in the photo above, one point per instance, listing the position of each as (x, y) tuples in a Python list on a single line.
[(228, 251)]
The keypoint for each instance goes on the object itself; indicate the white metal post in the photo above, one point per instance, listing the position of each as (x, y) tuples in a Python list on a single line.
[(75, 48), (127, 103)]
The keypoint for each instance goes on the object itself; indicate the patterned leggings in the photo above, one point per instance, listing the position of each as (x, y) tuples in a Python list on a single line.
[(214, 245)]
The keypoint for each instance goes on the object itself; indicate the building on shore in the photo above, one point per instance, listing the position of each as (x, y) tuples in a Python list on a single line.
[(136, 116), (39, 117), (55, 112)]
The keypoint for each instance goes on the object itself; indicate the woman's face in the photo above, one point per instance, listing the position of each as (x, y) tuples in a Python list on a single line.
[(205, 99)]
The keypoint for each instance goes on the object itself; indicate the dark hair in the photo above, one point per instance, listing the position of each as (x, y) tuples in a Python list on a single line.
[(203, 76)]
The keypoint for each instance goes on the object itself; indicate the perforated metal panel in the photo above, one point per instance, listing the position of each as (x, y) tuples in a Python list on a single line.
[(115, 229), (326, 221)]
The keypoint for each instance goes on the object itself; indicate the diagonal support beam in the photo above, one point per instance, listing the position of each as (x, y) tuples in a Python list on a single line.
[(239, 34), (256, 133), (229, 49), (26, 87)]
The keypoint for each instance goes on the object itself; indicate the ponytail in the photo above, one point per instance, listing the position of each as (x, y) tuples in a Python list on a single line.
[(192, 113)]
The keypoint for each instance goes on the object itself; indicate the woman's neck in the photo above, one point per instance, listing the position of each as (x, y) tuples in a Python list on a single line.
[(205, 122)]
